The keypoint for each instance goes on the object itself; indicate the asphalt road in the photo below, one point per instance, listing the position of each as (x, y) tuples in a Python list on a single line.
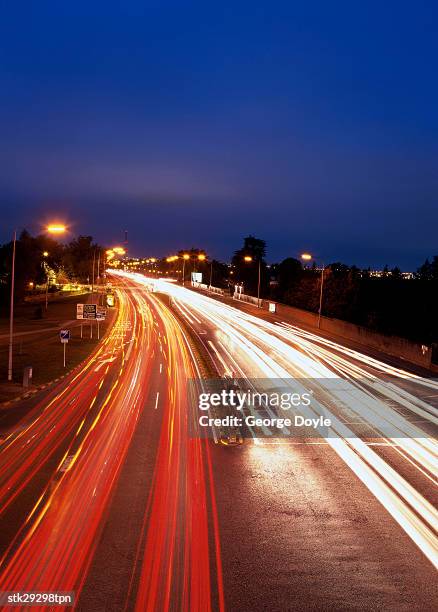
[(105, 490)]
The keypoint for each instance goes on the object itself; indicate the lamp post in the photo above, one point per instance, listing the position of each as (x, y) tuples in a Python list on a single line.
[(92, 276), (185, 257), (200, 257), (308, 257), (45, 254), (249, 258), (51, 229), (11, 310), (56, 229)]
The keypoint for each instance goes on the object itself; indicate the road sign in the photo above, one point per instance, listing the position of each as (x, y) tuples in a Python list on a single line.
[(100, 313), (86, 311), (64, 335)]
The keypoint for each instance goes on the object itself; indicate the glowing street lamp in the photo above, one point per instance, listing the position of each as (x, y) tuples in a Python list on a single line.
[(185, 258), (309, 257), (249, 259), (56, 228)]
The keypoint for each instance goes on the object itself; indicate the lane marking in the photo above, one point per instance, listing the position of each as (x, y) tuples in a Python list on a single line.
[(111, 359), (156, 400)]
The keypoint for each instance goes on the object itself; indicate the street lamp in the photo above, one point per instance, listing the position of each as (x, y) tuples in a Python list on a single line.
[(185, 258), (11, 308), (56, 228), (46, 254), (51, 229), (211, 273), (249, 259), (308, 257), (199, 257)]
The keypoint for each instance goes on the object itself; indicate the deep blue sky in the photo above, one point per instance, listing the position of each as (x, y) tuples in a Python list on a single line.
[(313, 125)]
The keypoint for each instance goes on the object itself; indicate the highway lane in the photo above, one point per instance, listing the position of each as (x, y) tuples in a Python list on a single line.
[(396, 472), (160, 544)]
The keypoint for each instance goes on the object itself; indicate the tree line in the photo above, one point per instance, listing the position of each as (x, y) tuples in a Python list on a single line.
[(70, 262), (390, 303)]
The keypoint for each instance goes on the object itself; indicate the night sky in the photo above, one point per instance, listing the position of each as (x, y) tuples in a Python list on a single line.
[(313, 125)]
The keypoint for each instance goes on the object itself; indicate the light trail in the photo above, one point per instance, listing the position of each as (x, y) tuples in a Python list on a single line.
[(56, 544), (265, 350)]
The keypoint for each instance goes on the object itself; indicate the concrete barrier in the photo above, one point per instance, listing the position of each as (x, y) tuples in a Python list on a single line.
[(413, 352), (395, 346)]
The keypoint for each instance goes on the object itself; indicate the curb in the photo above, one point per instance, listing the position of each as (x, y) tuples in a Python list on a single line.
[(34, 390)]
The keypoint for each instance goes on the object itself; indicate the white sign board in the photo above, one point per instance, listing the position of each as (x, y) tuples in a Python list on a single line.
[(100, 313), (196, 277), (272, 307), (86, 311)]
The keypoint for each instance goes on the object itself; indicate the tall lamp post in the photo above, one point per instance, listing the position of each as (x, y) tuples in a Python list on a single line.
[(308, 257), (51, 229), (248, 259), (11, 310), (211, 274), (45, 255), (185, 258)]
